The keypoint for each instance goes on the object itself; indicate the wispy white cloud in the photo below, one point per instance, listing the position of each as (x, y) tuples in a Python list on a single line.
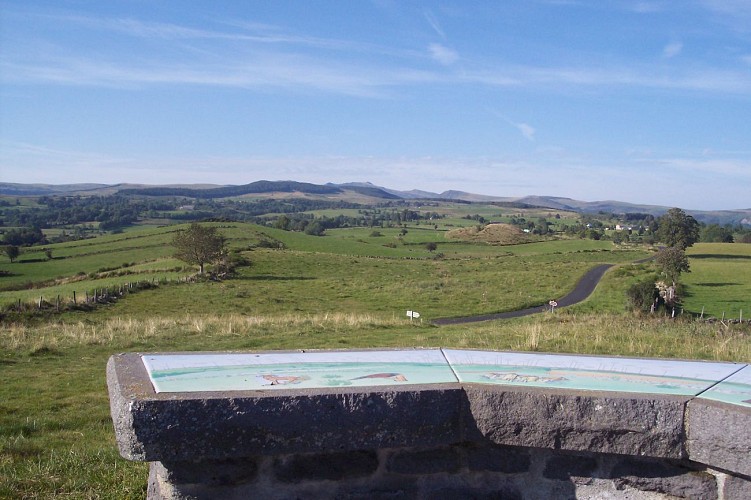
[(267, 56), (733, 8), (733, 13), (647, 7), (240, 32), (290, 71), (259, 69), (635, 76), (672, 49), (526, 130), (433, 22), (442, 54), (721, 167)]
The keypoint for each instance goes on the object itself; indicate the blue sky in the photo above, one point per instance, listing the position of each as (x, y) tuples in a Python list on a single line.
[(640, 101)]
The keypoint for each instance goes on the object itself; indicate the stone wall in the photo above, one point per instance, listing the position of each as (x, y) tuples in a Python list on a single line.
[(429, 441), (463, 470)]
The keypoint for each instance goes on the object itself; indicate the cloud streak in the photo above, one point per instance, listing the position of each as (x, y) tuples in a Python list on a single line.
[(290, 71), (442, 54), (672, 49), (267, 56)]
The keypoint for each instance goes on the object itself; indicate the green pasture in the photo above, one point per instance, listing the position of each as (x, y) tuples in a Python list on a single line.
[(313, 283), (368, 272), (719, 281), (345, 270)]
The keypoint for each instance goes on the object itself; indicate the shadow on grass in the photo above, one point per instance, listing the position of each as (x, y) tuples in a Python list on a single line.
[(716, 284), (276, 278), (719, 256)]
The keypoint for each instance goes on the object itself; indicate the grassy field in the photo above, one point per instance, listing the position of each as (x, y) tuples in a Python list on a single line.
[(345, 290), (720, 280)]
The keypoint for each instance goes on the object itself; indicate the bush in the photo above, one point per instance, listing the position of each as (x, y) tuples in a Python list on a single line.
[(270, 243), (642, 295)]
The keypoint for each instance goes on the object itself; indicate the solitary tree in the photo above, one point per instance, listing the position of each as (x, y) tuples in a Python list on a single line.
[(12, 251), (431, 246), (283, 222), (673, 262), (677, 229), (198, 245)]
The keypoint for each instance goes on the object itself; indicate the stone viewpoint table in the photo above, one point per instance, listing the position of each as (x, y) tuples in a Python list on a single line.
[(432, 423)]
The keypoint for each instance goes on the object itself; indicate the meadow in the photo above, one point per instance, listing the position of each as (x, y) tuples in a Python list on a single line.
[(348, 289)]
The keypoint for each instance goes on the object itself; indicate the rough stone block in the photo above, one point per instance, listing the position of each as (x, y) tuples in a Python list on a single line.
[(736, 488), (505, 492), (631, 424), (718, 435), (563, 467), (378, 487), (506, 459), (662, 477), (177, 427), (429, 461), (325, 466), (209, 472)]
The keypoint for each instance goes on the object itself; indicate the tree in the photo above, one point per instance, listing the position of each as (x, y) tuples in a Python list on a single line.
[(714, 233), (431, 246), (677, 229), (198, 245), (672, 262), (283, 222), (12, 251), (315, 228)]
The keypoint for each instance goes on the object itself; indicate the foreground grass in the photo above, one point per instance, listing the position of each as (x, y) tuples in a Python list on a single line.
[(56, 437)]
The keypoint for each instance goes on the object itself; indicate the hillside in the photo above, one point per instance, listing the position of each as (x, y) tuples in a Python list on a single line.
[(363, 192), (493, 234)]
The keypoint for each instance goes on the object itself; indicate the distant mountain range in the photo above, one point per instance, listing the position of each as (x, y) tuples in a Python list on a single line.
[(363, 192)]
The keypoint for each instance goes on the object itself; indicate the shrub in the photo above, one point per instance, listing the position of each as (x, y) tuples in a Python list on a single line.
[(642, 295)]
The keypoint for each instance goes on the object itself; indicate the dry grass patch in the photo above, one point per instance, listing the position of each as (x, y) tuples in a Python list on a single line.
[(124, 331), (493, 234)]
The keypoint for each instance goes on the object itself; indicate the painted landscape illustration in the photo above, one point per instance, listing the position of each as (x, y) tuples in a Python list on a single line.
[(550, 195), (729, 382)]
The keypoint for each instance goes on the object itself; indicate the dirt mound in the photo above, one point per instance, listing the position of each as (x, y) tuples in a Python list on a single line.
[(493, 234)]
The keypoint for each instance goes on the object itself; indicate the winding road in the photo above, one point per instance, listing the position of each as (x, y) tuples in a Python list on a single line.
[(581, 291)]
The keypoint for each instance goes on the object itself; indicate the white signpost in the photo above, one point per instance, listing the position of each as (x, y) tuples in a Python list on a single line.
[(413, 314)]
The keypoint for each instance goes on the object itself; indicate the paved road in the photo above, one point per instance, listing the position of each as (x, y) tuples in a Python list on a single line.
[(581, 291)]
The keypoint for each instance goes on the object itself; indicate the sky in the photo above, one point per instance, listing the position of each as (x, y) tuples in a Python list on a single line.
[(638, 101)]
